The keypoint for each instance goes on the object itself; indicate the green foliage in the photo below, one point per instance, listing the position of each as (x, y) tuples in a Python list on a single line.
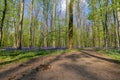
[(85, 29), (15, 56), (113, 53), (7, 57)]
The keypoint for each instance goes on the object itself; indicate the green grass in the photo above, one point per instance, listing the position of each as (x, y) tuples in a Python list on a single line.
[(113, 53), (8, 57)]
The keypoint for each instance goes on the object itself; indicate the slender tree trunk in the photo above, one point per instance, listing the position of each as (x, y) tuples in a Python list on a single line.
[(15, 34), (78, 21), (106, 26), (116, 30), (118, 26), (93, 35), (15, 25), (2, 21), (15, 37), (34, 33), (118, 23), (98, 30), (66, 23), (70, 29), (100, 5), (45, 28), (54, 24), (21, 24), (31, 24)]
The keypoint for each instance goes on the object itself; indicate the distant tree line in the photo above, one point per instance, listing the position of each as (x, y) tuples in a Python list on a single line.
[(60, 23)]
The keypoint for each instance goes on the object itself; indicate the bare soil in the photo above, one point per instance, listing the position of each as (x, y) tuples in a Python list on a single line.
[(84, 65)]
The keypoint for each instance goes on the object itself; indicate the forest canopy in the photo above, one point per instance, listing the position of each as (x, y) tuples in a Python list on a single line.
[(60, 23)]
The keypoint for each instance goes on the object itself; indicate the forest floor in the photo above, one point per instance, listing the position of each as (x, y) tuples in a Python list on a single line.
[(86, 64)]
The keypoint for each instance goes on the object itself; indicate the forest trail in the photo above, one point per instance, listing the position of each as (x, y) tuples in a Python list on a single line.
[(84, 65)]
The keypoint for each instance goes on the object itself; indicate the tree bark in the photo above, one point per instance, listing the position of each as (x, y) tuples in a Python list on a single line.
[(31, 24), (70, 29), (116, 29), (2, 22), (54, 24), (106, 25), (21, 24)]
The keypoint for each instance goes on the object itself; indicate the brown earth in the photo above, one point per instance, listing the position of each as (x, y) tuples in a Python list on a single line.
[(84, 65)]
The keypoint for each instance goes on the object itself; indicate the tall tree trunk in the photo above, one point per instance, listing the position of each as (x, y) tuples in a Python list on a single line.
[(2, 21), (116, 29), (45, 16), (101, 14), (15, 34), (78, 21), (106, 25), (31, 24), (21, 24), (54, 24), (118, 25), (66, 23), (15, 25), (59, 36), (70, 29), (93, 35), (99, 42), (118, 22)]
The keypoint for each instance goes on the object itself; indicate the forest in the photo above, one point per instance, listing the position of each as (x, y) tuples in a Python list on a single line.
[(55, 23), (52, 32)]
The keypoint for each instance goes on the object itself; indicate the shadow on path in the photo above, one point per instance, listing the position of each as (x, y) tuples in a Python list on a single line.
[(81, 71)]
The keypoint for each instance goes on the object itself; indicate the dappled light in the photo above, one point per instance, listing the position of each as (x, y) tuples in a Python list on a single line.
[(59, 39)]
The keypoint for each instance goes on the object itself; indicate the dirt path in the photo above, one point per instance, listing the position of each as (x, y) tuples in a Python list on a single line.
[(84, 65)]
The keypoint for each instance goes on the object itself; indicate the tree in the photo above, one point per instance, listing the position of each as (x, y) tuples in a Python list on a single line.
[(2, 21), (21, 24), (70, 29), (54, 24), (16, 6), (31, 24)]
